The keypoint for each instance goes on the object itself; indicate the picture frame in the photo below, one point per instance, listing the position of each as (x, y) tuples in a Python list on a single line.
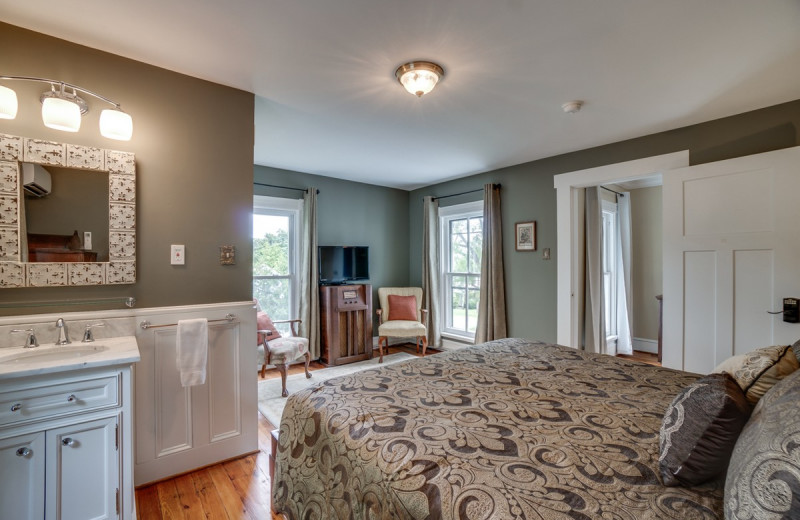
[(525, 233)]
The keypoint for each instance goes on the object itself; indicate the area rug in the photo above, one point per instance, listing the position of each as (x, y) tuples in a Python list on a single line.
[(270, 402)]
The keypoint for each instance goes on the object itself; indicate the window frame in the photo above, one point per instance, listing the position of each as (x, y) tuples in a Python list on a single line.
[(293, 209), (610, 229), (446, 216)]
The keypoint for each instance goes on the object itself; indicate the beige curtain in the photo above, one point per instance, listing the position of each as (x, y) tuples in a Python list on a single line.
[(594, 328), (309, 274), (492, 303), (430, 268)]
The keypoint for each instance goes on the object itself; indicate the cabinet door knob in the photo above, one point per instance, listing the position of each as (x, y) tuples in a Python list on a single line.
[(24, 452), (68, 441), (16, 407), (71, 398)]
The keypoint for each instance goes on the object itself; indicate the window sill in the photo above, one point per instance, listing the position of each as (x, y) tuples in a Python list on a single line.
[(459, 337)]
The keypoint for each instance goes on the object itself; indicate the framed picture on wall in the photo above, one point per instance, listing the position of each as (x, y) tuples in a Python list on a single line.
[(526, 236)]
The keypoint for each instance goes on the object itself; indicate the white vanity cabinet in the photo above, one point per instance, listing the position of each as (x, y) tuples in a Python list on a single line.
[(65, 445)]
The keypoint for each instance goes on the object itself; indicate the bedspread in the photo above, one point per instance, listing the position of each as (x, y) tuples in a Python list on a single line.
[(511, 429)]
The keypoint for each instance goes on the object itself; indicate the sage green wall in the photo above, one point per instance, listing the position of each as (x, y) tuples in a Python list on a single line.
[(528, 194), (353, 214), (646, 262), (193, 142)]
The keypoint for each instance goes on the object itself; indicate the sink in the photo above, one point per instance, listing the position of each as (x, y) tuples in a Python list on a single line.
[(66, 352)]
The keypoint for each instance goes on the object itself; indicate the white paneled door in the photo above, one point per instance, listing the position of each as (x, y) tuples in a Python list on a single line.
[(731, 253)]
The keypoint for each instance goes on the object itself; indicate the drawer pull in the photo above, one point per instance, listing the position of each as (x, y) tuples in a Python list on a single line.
[(71, 398), (68, 441), (24, 452), (16, 407)]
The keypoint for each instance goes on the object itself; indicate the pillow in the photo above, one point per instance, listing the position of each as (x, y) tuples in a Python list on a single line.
[(700, 429), (263, 322), (764, 475), (402, 308), (759, 370)]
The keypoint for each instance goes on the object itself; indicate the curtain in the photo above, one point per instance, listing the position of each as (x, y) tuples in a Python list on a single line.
[(309, 274), (430, 268), (492, 302), (624, 340), (594, 328)]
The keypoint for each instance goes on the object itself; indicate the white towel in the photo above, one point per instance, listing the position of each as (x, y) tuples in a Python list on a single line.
[(192, 351)]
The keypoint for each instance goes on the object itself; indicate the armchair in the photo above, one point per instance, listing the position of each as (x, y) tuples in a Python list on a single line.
[(407, 318), (280, 350)]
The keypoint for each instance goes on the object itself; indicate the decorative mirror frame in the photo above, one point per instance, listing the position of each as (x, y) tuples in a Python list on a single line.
[(121, 169)]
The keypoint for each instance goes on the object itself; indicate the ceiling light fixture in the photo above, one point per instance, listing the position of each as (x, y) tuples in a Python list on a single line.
[(62, 110), (419, 77)]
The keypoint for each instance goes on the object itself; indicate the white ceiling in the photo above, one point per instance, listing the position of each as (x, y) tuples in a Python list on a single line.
[(327, 101)]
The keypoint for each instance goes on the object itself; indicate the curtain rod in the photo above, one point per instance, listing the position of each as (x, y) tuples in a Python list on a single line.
[(464, 192), (304, 190), (612, 191)]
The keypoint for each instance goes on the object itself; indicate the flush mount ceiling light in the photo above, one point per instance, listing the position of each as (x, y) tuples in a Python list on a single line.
[(62, 110), (419, 77)]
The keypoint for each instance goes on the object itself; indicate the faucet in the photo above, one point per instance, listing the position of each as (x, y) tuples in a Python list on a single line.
[(63, 332), (30, 341), (88, 336)]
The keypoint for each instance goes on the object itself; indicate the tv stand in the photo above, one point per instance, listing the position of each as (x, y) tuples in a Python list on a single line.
[(345, 323)]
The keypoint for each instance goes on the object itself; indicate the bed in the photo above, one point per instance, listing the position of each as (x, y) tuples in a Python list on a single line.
[(511, 429)]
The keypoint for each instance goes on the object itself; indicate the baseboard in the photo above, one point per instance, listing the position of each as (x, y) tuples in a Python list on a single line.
[(645, 345)]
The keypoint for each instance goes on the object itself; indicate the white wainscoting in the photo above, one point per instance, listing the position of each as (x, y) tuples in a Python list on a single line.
[(180, 429), (645, 345)]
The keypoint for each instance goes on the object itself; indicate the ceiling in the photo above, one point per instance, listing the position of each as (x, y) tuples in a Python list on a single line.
[(327, 101)]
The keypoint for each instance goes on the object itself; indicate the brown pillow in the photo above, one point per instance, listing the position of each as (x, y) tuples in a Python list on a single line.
[(263, 322), (764, 475), (402, 308), (759, 370), (700, 429)]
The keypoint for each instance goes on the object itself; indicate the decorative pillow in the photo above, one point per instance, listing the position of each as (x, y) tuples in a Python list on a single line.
[(263, 322), (759, 370), (700, 429), (402, 308), (763, 479)]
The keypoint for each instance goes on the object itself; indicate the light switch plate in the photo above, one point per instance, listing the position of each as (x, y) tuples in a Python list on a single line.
[(177, 254), (87, 239)]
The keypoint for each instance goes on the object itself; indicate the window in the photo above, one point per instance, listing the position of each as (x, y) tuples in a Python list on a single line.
[(276, 229), (461, 232), (610, 239)]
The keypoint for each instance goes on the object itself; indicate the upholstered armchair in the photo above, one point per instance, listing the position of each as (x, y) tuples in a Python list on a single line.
[(278, 350), (401, 316)]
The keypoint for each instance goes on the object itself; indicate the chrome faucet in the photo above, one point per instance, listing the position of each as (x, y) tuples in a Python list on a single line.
[(63, 332), (88, 337), (30, 341)]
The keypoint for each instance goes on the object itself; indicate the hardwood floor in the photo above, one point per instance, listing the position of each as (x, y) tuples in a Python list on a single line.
[(232, 490), (644, 357)]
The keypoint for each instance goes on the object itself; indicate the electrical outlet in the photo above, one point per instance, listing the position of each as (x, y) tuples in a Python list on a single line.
[(177, 254), (87, 239)]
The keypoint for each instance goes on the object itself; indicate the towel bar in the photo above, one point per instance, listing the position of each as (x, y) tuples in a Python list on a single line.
[(147, 325)]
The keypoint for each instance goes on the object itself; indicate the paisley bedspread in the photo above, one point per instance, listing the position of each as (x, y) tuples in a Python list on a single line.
[(511, 429)]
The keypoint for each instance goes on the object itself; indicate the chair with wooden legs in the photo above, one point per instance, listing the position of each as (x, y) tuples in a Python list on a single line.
[(401, 315), (280, 350)]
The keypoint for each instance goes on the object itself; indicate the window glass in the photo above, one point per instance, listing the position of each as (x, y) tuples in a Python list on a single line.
[(461, 242)]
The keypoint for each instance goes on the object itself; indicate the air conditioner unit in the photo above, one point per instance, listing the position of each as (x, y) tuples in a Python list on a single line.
[(36, 180)]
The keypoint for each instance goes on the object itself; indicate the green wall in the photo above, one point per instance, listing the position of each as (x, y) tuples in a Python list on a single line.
[(528, 194), (354, 214), (193, 142)]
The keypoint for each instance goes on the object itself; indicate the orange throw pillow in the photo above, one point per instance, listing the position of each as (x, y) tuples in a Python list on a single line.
[(264, 323), (402, 308)]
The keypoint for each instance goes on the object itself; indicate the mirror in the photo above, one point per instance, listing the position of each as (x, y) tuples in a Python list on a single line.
[(42, 238)]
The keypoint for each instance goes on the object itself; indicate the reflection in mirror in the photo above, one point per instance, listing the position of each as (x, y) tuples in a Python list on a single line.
[(61, 205)]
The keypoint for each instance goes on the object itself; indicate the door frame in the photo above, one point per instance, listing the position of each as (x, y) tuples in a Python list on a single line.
[(570, 230)]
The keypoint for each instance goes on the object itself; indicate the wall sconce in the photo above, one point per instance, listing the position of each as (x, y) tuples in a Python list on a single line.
[(62, 110)]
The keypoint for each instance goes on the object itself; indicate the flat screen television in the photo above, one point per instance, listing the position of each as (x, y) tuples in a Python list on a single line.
[(342, 264)]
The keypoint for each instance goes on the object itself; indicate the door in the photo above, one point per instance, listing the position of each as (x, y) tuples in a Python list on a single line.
[(82, 478), (22, 460), (731, 247)]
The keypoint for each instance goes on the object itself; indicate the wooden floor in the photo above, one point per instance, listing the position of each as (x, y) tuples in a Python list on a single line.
[(237, 489), (644, 357)]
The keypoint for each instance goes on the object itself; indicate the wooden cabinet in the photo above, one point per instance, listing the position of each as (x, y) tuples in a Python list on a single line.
[(65, 446), (345, 323)]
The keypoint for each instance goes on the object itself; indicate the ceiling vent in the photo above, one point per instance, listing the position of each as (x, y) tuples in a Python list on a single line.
[(36, 180)]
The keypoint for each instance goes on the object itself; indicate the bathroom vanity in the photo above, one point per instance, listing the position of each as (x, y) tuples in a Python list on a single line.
[(65, 430)]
